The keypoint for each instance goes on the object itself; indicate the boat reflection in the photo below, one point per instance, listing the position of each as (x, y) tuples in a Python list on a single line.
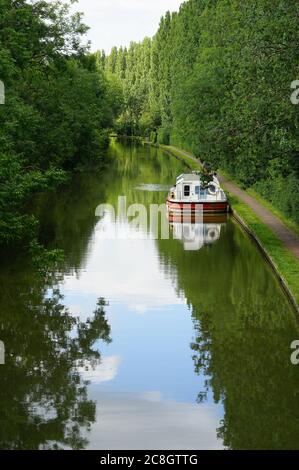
[(196, 230)]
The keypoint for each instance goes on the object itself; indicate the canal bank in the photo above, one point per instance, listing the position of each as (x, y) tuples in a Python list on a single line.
[(278, 243)]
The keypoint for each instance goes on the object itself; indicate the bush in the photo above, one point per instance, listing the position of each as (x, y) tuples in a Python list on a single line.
[(282, 193)]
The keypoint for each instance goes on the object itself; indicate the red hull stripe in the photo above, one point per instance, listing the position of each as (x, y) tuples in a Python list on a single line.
[(206, 206)]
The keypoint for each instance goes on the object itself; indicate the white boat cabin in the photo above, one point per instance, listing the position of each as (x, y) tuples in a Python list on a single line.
[(189, 188)]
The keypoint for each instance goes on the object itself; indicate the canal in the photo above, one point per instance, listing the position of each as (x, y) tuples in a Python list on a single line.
[(139, 341)]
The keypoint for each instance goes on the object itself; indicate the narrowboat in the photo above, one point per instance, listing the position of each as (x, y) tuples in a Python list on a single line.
[(193, 193)]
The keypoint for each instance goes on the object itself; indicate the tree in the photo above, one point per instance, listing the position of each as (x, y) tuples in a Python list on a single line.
[(218, 84), (59, 106)]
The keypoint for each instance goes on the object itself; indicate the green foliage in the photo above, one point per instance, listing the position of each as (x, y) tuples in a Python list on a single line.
[(131, 68), (46, 262), (216, 79), (164, 136), (282, 192), (58, 109)]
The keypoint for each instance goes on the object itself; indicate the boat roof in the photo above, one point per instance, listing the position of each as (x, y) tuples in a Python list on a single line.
[(188, 177), (193, 177)]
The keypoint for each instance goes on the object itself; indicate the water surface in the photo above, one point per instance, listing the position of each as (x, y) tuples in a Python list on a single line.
[(142, 343)]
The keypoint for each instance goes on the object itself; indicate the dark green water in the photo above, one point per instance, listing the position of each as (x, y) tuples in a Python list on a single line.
[(144, 343)]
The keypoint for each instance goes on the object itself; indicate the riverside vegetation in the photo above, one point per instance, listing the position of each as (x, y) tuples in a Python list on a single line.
[(59, 107), (216, 80)]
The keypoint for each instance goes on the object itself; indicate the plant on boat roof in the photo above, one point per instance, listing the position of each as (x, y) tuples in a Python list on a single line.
[(206, 175)]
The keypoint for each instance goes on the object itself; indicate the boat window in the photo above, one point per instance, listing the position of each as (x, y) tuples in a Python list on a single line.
[(197, 190), (186, 190)]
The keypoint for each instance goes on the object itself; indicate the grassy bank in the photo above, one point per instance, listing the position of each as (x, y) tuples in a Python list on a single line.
[(181, 156), (286, 265), (284, 262)]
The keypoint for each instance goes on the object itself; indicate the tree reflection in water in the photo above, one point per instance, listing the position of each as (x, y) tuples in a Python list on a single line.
[(244, 327), (43, 398)]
